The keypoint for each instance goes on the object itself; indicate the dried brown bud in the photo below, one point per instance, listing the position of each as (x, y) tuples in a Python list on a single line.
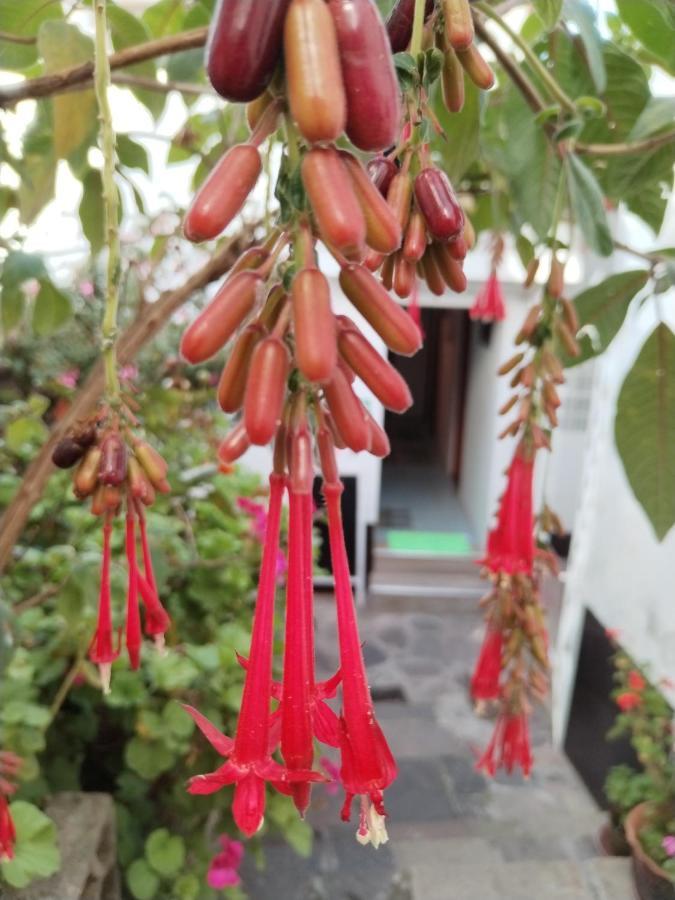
[(570, 316), (531, 272), (66, 453), (567, 339), (529, 325), (510, 403), (556, 278), (510, 364)]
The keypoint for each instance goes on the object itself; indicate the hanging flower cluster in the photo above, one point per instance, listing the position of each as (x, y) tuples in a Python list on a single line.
[(121, 473), (512, 667), (10, 765), (288, 377), (489, 305)]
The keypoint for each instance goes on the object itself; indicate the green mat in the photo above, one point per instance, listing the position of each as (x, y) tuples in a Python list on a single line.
[(445, 543)]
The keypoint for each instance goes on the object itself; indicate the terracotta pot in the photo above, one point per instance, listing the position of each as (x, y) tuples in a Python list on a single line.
[(651, 881), (612, 838)]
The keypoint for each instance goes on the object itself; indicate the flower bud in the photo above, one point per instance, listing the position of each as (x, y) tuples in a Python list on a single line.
[(476, 68), (381, 170), (439, 205), (265, 390), (415, 242), (86, 475), (404, 276), (113, 466), (556, 278), (66, 453), (331, 195), (234, 445), (232, 384), (347, 412), (313, 325), (154, 465), (376, 372), (399, 197)]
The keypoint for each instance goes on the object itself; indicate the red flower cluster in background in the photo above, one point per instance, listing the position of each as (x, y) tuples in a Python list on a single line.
[(10, 764), (489, 305)]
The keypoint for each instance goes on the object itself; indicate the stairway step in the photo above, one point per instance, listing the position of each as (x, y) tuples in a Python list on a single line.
[(388, 560), (447, 879)]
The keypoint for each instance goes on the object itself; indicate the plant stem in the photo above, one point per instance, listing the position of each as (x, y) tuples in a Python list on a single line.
[(418, 28), (66, 685), (541, 71), (110, 204)]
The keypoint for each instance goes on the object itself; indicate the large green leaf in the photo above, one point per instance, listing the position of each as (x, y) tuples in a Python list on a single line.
[(165, 852), (127, 30), (62, 46), (91, 210), (36, 854), (549, 12), (52, 309), (22, 18), (460, 148), (142, 881), (588, 205), (645, 429), (653, 24), (17, 268), (584, 18), (38, 166), (659, 113), (602, 309)]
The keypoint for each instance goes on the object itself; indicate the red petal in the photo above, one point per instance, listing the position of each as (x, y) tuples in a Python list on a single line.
[(223, 744)]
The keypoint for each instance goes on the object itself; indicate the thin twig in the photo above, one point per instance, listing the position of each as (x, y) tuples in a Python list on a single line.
[(627, 148), (38, 599), (17, 38), (162, 87), (82, 75)]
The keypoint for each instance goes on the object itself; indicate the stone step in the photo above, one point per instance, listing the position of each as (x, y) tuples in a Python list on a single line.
[(394, 561), (446, 879)]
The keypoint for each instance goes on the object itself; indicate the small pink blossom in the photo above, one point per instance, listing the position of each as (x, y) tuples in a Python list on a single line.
[(86, 288), (128, 372), (668, 844), (69, 378), (223, 871), (331, 787)]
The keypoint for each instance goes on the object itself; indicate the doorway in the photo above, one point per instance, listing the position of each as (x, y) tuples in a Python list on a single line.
[(419, 507)]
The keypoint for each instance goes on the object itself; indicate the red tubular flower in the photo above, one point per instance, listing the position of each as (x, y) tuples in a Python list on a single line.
[(510, 544), (250, 764), (101, 651), (489, 303), (485, 679), (133, 635), (7, 831), (628, 700), (368, 766), (157, 621), (636, 681), (509, 746)]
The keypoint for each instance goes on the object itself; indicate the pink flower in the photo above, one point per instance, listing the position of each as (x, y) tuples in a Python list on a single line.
[(635, 681), (331, 787), (485, 679), (223, 870), (86, 288), (489, 303), (69, 378), (668, 844), (128, 372), (510, 544)]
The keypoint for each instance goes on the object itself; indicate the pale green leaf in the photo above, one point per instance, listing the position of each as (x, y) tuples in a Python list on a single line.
[(22, 18), (461, 147), (127, 30), (52, 309), (142, 881), (653, 24), (148, 758), (132, 154), (91, 210), (37, 167), (659, 113), (602, 309), (645, 429), (588, 205), (549, 12), (165, 852), (62, 46), (36, 853), (581, 14)]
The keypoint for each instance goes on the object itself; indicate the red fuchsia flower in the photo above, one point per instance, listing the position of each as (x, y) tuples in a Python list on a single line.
[(157, 621), (7, 831), (628, 700), (636, 682), (489, 303), (485, 679), (509, 746), (510, 544), (368, 766), (250, 765), (133, 629), (258, 515), (101, 650), (224, 868), (302, 711)]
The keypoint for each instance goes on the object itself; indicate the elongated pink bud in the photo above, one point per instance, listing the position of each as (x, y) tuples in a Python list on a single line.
[(378, 374), (265, 390), (347, 412)]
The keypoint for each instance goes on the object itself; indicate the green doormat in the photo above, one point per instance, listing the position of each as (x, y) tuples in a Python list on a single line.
[(443, 543)]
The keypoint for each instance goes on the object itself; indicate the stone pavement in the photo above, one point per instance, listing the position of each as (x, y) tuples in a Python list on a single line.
[(454, 835)]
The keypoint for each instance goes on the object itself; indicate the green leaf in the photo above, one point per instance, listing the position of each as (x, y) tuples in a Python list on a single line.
[(23, 18), (602, 309), (165, 852), (62, 46), (148, 758), (174, 718), (38, 166), (187, 887), (584, 18), (24, 434), (300, 836), (588, 205), (462, 129), (142, 881), (52, 309), (164, 17), (548, 11), (36, 854), (525, 250), (127, 30), (131, 154), (91, 210), (645, 428), (653, 24), (18, 267), (658, 113)]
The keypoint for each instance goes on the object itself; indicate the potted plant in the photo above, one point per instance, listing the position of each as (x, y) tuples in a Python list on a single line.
[(646, 718), (625, 788)]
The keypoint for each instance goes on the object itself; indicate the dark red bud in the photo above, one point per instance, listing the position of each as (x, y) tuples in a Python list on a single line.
[(113, 469)]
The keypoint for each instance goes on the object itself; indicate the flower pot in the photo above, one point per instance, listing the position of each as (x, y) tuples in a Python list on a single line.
[(651, 881), (612, 838)]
